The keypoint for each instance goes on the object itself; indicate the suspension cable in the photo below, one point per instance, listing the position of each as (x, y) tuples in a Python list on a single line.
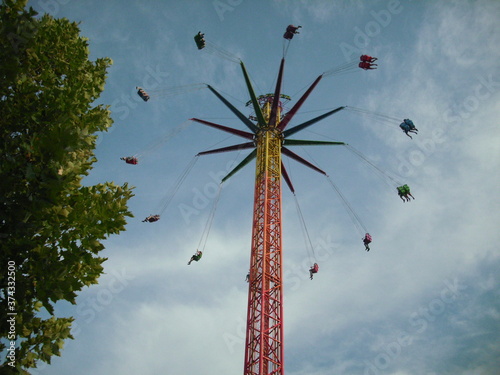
[(222, 52), (160, 141), (352, 214), (208, 225), (166, 92), (173, 190), (286, 45), (305, 232), (350, 211), (373, 114), (382, 172), (347, 67)]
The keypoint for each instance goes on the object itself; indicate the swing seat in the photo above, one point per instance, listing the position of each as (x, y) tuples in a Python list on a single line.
[(200, 41), (143, 94), (131, 161), (409, 123)]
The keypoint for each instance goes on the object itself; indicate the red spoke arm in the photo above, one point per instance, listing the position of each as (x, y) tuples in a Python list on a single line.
[(297, 105), (237, 132), (241, 146), (296, 157)]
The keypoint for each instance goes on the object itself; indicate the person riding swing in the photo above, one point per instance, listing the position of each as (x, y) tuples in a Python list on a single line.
[(367, 240), (151, 219), (143, 94), (196, 257), (130, 160), (314, 269)]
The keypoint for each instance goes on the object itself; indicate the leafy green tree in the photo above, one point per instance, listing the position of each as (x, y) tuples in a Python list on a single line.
[(51, 224)]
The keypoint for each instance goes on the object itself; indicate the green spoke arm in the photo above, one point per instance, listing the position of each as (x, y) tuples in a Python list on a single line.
[(258, 112), (299, 142), (241, 146), (304, 125), (233, 109), (245, 161), (276, 98)]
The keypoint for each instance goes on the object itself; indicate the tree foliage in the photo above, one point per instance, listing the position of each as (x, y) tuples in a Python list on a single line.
[(51, 224)]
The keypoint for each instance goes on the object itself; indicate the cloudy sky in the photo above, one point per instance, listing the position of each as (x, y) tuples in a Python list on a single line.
[(423, 301)]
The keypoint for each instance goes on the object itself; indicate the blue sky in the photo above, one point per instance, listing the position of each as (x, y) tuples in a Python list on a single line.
[(424, 301)]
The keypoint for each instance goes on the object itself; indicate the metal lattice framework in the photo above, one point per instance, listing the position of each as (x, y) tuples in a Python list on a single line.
[(264, 342), (264, 346)]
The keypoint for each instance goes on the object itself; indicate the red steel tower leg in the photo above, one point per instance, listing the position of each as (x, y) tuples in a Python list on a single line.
[(264, 341)]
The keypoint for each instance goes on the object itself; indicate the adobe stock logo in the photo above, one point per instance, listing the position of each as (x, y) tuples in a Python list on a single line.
[(202, 198), (373, 28), (52, 6), (223, 6), (90, 307), (419, 321), (153, 80)]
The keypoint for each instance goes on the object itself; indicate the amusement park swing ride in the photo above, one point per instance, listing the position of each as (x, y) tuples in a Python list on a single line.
[(268, 138)]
